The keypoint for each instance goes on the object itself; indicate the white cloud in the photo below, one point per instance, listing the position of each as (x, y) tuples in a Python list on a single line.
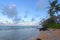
[(41, 3), (26, 23), (11, 12), (12, 6)]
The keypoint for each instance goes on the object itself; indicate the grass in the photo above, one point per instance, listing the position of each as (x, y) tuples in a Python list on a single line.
[(54, 26)]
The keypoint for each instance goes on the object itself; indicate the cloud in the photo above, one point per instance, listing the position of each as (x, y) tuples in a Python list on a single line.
[(28, 23), (12, 6), (17, 19), (41, 3), (11, 12), (32, 19)]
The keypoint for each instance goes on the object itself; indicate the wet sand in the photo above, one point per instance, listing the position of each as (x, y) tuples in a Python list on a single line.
[(52, 34)]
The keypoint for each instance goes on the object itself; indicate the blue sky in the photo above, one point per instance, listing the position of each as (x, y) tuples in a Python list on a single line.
[(26, 10)]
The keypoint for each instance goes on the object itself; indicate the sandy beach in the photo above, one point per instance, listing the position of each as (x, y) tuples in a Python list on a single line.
[(52, 34)]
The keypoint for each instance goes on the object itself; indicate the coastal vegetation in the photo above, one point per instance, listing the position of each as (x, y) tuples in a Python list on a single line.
[(54, 17)]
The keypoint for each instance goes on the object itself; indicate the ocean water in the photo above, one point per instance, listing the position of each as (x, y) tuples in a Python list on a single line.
[(18, 33)]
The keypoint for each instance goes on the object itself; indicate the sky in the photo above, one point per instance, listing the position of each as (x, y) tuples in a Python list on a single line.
[(19, 11)]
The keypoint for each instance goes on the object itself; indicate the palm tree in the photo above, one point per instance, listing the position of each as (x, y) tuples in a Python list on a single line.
[(54, 8)]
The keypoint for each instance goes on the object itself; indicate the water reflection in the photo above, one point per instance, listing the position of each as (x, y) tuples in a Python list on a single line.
[(18, 34)]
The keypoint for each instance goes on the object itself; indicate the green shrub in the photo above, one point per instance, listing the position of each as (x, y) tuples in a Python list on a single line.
[(49, 23), (54, 26)]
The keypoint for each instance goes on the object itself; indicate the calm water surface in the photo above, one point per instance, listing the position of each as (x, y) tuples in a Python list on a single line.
[(27, 33)]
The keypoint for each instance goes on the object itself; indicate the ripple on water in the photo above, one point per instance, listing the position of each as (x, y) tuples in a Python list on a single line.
[(18, 34)]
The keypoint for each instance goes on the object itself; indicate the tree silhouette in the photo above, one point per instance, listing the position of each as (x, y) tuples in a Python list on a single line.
[(54, 8)]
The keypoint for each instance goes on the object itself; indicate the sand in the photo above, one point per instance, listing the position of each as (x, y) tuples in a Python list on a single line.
[(52, 34)]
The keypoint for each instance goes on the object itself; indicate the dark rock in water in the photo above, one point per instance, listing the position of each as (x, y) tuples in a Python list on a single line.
[(43, 29), (38, 39)]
